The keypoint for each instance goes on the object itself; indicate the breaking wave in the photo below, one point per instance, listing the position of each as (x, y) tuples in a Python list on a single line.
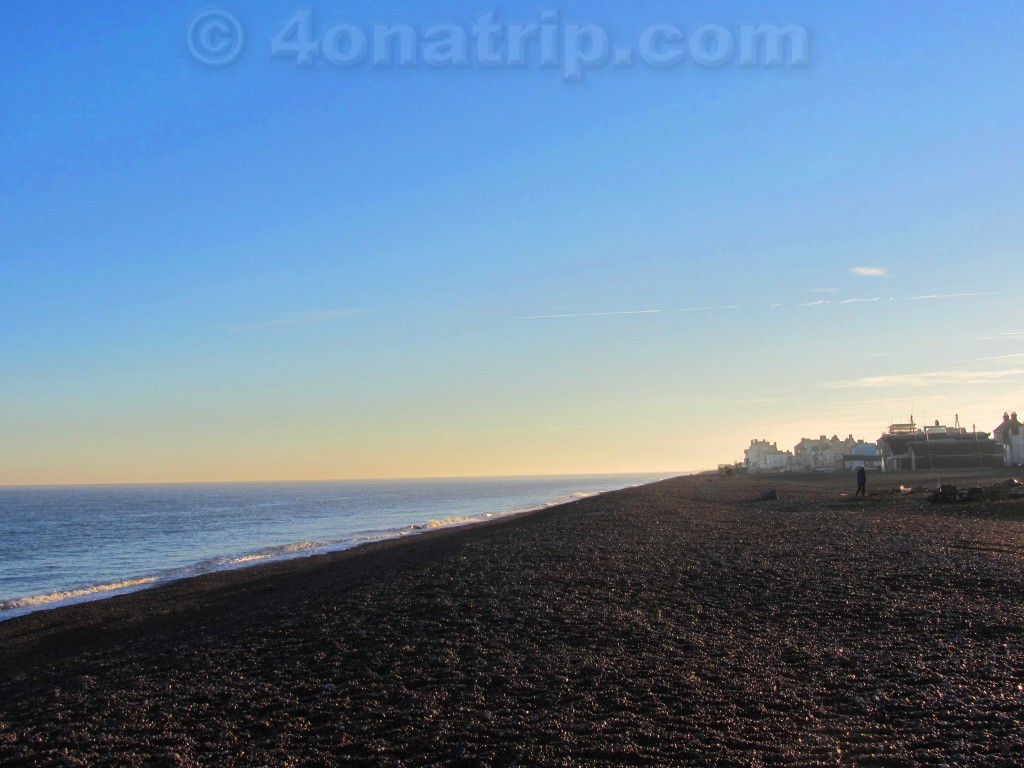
[(73, 595)]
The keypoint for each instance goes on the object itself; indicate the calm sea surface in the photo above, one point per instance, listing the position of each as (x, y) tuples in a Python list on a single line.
[(68, 544)]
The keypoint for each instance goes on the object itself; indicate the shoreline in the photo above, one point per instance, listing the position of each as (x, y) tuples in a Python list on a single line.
[(246, 576), (131, 582), (684, 621)]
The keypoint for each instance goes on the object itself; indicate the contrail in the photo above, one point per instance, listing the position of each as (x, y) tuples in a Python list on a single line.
[(818, 303), (948, 296), (593, 314), (710, 309)]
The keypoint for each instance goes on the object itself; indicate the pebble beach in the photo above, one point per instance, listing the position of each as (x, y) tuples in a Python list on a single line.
[(701, 620)]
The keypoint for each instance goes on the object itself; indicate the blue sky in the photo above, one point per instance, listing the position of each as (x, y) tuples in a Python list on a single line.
[(265, 270)]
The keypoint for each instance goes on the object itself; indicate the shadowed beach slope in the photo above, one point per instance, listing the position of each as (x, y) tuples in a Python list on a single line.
[(687, 622)]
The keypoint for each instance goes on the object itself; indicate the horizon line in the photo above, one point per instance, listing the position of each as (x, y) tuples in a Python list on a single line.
[(132, 483)]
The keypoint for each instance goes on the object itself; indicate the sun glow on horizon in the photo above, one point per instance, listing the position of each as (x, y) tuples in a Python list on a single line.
[(253, 270)]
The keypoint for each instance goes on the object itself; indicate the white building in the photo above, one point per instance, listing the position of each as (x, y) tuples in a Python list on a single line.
[(763, 456), (1010, 435), (823, 453)]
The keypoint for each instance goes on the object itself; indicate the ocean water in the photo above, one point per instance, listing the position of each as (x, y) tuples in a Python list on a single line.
[(60, 545)]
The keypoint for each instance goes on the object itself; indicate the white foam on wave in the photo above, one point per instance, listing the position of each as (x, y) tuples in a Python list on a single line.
[(454, 522), (72, 595), (457, 521), (272, 553), (20, 605)]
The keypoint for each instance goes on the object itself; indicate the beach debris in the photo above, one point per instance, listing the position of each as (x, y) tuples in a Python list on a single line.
[(905, 490), (946, 492), (970, 494)]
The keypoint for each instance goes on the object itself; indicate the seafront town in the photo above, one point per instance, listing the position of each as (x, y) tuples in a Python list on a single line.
[(905, 447)]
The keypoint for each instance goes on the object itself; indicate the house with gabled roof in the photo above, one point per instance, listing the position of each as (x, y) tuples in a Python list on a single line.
[(1010, 435), (823, 453), (763, 456)]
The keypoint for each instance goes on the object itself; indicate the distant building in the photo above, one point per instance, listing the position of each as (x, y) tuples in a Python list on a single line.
[(864, 455), (763, 456), (823, 453), (906, 447), (1010, 435)]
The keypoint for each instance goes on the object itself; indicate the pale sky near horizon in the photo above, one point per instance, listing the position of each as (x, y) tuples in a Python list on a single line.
[(264, 270)]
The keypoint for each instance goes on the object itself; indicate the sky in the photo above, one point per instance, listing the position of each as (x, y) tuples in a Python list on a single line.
[(235, 245)]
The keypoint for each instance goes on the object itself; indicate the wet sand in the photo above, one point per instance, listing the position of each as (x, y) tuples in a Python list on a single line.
[(687, 622)]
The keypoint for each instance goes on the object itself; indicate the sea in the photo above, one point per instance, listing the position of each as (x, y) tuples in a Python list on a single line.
[(67, 544)]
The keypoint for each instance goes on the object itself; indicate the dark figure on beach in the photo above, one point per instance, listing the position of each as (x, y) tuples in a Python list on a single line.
[(862, 482)]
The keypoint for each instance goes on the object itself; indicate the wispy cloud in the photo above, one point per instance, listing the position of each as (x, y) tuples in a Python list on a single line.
[(933, 296), (870, 272), (987, 359), (1005, 336), (302, 318), (776, 305), (593, 314), (929, 378), (710, 309)]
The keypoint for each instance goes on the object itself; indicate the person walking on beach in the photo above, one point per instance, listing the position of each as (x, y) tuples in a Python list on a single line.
[(862, 482)]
